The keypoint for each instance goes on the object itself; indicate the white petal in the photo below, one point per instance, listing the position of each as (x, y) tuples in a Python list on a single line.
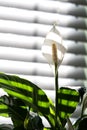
[(53, 37)]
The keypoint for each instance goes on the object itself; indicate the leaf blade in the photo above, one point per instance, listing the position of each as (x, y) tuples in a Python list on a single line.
[(67, 102)]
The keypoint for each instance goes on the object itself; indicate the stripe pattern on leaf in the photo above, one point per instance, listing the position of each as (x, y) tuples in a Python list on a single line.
[(28, 92), (67, 101)]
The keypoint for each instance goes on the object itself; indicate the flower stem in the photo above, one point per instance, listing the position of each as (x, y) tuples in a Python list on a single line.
[(55, 61), (56, 95)]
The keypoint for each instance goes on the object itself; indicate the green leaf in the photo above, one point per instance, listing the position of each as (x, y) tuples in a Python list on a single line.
[(81, 123), (19, 128), (14, 108), (68, 99), (29, 93), (47, 129), (25, 90), (34, 122)]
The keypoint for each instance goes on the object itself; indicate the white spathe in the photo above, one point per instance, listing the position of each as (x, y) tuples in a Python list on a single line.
[(53, 37)]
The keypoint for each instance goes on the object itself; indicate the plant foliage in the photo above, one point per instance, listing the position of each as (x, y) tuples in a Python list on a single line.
[(26, 103)]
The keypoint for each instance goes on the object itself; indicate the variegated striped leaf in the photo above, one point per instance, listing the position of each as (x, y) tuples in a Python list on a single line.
[(31, 94), (67, 101)]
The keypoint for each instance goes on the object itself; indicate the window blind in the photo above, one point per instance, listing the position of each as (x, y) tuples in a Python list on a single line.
[(23, 27)]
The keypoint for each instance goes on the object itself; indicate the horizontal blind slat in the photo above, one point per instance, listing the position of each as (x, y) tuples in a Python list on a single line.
[(36, 69), (41, 17), (69, 8), (33, 42), (19, 4), (33, 55), (76, 47), (54, 6), (19, 28), (75, 10), (20, 41), (80, 2), (36, 42), (27, 68)]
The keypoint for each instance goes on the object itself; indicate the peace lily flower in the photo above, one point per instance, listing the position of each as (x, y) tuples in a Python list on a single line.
[(52, 48), (54, 51)]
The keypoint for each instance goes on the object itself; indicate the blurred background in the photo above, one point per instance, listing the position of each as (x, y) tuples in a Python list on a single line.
[(23, 27)]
